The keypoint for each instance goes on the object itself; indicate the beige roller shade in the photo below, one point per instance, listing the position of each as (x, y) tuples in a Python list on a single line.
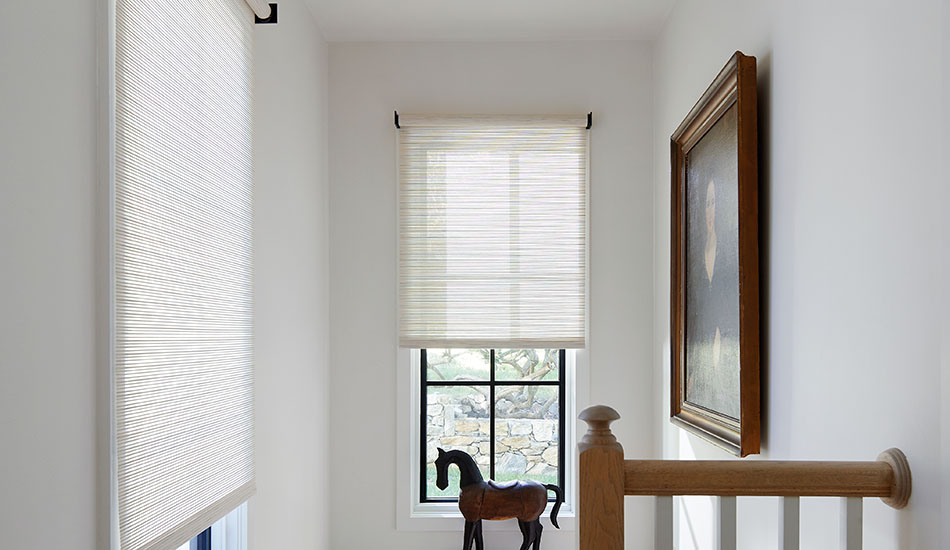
[(493, 231), (183, 376)]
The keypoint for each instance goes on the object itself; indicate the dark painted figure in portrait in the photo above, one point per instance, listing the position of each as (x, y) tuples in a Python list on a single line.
[(712, 270)]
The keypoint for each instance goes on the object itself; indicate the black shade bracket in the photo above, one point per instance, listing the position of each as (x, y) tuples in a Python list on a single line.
[(396, 118), (272, 19), (590, 117)]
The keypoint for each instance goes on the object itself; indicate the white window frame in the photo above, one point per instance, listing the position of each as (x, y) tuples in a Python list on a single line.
[(413, 515), (228, 533)]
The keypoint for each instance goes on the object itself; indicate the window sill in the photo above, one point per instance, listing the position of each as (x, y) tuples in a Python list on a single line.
[(445, 516)]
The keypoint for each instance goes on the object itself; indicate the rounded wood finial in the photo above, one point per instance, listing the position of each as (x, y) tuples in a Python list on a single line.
[(598, 418), (599, 413), (900, 491)]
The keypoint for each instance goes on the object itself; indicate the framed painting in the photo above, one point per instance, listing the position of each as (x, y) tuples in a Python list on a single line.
[(715, 264)]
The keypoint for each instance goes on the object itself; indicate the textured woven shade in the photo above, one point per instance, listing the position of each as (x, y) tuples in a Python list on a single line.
[(183, 386), (493, 231)]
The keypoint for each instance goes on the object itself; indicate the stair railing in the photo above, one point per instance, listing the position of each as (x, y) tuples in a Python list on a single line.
[(605, 478)]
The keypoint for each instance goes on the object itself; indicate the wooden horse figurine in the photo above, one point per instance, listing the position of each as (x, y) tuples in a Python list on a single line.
[(478, 500)]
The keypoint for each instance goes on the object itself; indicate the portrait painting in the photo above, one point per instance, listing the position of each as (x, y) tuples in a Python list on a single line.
[(714, 254), (712, 270)]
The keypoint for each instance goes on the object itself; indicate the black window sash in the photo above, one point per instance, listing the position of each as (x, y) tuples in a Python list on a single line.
[(202, 541), (492, 383)]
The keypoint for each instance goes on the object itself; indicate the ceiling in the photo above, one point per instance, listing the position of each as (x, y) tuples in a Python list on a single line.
[(489, 20)]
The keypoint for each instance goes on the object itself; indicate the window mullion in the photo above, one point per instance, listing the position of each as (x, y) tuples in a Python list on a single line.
[(491, 416), (562, 422), (423, 428), (486, 383)]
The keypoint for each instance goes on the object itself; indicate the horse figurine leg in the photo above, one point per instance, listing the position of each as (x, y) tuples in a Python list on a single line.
[(531, 532), (479, 541), (537, 534), (470, 528)]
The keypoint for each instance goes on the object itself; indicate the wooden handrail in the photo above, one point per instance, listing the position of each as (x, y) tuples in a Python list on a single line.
[(605, 477), (767, 478)]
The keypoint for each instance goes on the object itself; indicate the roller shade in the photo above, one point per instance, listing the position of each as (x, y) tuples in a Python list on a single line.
[(183, 377), (493, 231)]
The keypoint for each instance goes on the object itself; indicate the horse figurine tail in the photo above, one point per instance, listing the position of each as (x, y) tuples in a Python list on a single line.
[(557, 503)]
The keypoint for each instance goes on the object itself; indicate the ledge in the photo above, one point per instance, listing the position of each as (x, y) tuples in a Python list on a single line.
[(445, 516)]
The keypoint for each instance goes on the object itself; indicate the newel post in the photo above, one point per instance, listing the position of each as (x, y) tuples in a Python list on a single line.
[(601, 482)]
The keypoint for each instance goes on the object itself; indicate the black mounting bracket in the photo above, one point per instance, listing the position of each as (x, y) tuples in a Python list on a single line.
[(396, 118), (272, 19), (589, 120)]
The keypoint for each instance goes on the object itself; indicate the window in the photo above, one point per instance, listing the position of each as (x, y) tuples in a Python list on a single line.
[(492, 294), (504, 407)]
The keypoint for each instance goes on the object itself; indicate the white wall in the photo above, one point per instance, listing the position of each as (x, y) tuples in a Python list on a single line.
[(850, 214), (945, 361), (291, 284), (50, 212), (369, 81), (47, 334)]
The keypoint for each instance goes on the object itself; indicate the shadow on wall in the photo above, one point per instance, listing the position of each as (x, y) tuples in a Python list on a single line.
[(764, 96)]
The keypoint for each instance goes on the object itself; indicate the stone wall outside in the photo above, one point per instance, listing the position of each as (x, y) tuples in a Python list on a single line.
[(526, 447)]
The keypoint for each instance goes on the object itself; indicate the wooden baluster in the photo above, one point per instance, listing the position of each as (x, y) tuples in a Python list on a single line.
[(789, 513), (663, 523), (601, 483), (727, 524), (852, 512)]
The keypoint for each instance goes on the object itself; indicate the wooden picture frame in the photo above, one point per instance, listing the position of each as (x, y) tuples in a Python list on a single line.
[(715, 264)]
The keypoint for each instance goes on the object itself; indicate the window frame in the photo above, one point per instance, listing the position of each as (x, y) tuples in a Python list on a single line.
[(227, 533), (491, 383), (415, 516)]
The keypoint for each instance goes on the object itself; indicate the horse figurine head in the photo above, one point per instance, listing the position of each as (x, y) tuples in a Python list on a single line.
[(468, 469), (442, 471)]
